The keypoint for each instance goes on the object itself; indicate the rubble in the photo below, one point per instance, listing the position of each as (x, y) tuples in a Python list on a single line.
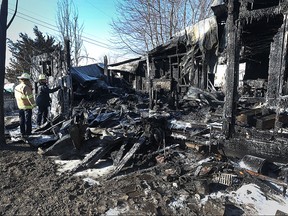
[(138, 154), (175, 143)]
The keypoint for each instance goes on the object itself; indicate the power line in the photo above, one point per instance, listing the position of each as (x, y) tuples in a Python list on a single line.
[(38, 20), (31, 12), (98, 9), (56, 30), (35, 22), (85, 37), (25, 15)]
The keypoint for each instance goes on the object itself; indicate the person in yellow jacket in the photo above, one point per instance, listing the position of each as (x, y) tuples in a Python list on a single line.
[(25, 102)]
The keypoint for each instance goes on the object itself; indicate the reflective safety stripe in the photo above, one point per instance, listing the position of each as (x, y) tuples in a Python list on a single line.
[(26, 107), (24, 101), (24, 104), (27, 97)]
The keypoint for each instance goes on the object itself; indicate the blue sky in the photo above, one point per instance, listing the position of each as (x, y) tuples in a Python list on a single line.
[(96, 15)]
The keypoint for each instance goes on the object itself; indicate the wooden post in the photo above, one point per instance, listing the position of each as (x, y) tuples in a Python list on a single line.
[(3, 35), (69, 100), (204, 72), (192, 71), (68, 55), (232, 73), (149, 83), (106, 72), (283, 53)]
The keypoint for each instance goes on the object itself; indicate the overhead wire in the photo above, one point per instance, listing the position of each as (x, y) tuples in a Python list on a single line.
[(54, 28), (53, 20), (98, 9)]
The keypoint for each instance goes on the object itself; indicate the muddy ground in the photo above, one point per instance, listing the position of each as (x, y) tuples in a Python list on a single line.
[(31, 185), (169, 183)]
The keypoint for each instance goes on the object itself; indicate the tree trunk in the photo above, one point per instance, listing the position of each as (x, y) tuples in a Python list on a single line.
[(3, 33)]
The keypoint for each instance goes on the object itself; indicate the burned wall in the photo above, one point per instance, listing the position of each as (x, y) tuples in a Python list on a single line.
[(257, 36), (260, 4), (277, 64)]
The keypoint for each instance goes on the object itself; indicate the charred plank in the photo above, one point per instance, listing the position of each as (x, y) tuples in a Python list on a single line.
[(97, 153), (128, 156)]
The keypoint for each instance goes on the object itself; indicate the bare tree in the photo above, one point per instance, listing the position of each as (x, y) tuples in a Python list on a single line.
[(148, 23), (70, 28), (200, 9)]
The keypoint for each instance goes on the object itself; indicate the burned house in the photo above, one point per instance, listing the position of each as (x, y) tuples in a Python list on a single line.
[(54, 66), (245, 43), (129, 70), (256, 35), (189, 58), (83, 82), (176, 128)]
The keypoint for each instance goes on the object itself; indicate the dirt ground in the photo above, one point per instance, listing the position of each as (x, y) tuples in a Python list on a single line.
[(31, 185)]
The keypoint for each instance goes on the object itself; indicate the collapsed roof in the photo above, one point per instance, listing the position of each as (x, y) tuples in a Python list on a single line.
[(203, 33), (130, 65), (88, 73)]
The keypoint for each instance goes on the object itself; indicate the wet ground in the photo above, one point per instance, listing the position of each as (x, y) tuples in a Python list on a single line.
[(32, 185), (178, 180)]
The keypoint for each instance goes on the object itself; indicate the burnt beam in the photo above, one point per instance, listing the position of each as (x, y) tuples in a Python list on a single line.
[(90, 159), (282, 68), (232, 73), (127, 156)]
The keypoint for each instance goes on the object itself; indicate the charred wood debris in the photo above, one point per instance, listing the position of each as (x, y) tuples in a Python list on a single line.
[(197, 140), (182, 146)]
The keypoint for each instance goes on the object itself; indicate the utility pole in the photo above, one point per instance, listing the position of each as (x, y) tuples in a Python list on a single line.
[(3, 35)]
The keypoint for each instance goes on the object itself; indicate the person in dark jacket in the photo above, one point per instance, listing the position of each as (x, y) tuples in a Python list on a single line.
[(43, 99)]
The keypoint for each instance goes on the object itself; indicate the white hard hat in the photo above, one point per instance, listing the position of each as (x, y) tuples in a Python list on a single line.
[(24, 76), (42, 77)]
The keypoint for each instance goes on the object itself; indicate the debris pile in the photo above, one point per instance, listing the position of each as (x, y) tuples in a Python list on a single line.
[(179, 148), (157, 161)]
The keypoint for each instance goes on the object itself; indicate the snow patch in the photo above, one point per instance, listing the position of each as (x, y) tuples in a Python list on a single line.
[(102, 167), (253, 200)]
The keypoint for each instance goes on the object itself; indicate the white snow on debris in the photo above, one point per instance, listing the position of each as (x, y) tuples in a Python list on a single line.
[(117, 211), (66, 165), (105, 168), (252, 195), (179, 202), (176, 124), (101, 168), (91, 181), (253, 200)]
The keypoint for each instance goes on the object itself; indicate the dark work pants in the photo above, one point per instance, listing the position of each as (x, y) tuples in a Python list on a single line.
[(25, 121), (42, 115)]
